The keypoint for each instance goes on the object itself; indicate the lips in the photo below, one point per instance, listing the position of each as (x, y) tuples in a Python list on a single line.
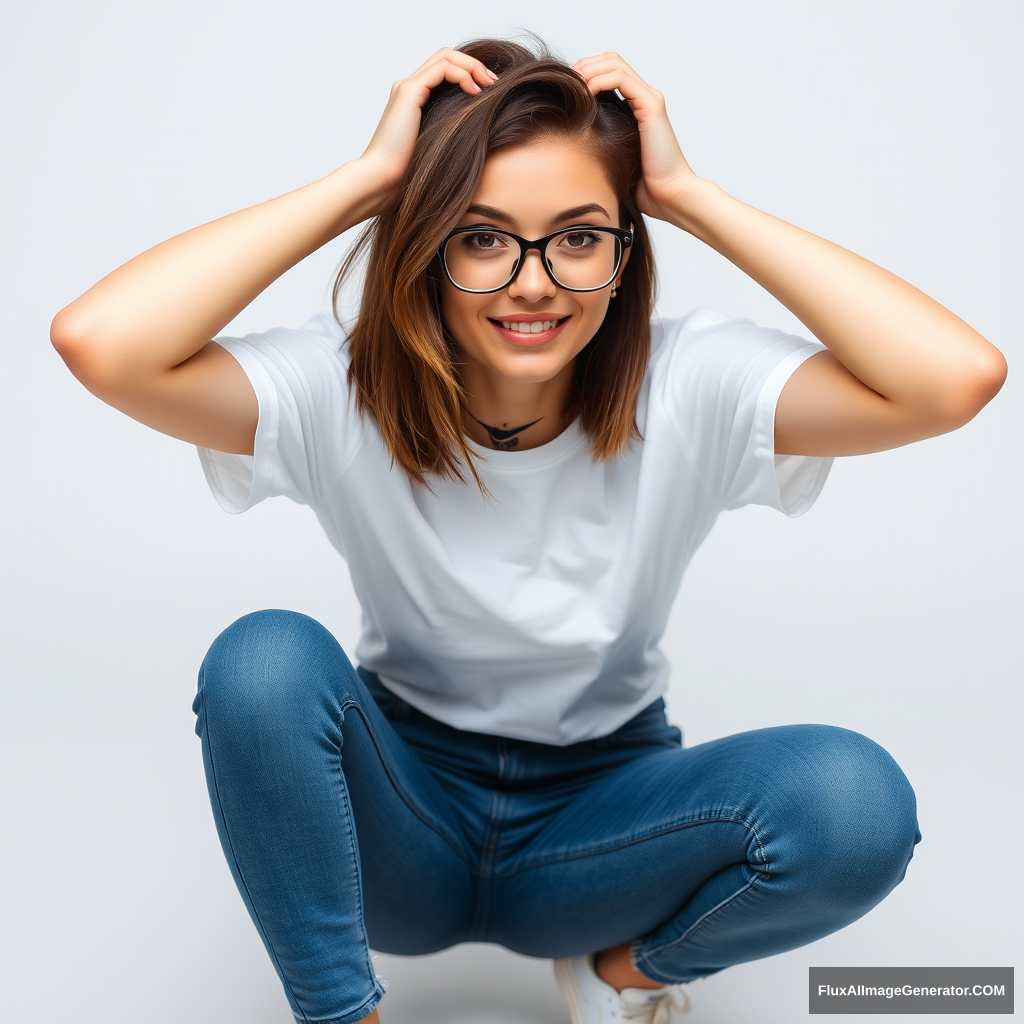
[(528, 327), (530, 332)]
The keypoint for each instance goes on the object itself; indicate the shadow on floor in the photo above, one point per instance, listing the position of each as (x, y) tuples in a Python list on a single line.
[(471, 984)]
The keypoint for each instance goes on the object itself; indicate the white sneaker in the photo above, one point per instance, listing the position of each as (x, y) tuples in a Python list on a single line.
[(592, 1001)]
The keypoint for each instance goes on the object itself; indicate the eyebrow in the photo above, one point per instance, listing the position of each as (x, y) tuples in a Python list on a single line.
[(573, 213)]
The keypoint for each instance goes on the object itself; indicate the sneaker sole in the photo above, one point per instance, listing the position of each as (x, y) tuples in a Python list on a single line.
[(566, 978)]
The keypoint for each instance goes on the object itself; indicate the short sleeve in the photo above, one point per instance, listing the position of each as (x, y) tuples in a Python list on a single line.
[(308, 430), (720, 387)]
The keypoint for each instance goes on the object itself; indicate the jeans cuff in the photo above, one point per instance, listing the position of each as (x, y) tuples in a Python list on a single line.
[(641, 963), (364, 1010)]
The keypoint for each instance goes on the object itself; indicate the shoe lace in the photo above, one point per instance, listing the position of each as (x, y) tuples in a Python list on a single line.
[(671, 999)]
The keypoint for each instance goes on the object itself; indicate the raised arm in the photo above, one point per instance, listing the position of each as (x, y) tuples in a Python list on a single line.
[(899, 366), (140, 339)]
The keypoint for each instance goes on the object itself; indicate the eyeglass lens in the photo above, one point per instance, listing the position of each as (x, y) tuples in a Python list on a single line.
[(582, 258)]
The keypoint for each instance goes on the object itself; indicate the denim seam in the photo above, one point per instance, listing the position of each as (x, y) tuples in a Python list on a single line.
[(644, 958), (453, 843), (484, 873), (354, 849), (640, 960), (639, 837), (238, 868)]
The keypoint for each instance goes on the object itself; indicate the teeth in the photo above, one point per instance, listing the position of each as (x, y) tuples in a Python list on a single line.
[(529, 328)]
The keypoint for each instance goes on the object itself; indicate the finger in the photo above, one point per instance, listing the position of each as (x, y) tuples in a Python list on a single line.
[(480, 72), (632, 88), (607, 64), (603, 61), (606, 83), (605, 67), (432, 59), (443, 70), (597, 56)]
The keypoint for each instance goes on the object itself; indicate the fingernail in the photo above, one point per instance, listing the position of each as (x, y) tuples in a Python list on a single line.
[(492, 74)]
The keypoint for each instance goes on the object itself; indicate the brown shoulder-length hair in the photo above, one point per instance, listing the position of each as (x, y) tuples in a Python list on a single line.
[(404, 365)]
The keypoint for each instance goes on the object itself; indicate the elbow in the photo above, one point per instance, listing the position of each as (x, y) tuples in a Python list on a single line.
[(79, 349), (70, 340), (976, 384), (993, 377)]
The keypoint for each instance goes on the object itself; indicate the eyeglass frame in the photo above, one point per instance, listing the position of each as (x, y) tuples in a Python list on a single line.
[(540, 244)]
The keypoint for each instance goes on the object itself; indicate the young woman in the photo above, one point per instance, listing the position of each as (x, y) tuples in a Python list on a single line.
[(517, 465)]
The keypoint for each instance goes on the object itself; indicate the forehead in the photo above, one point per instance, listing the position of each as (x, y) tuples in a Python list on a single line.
[(535, 182)]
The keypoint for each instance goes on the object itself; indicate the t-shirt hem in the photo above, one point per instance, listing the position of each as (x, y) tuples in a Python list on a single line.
[(466, 719)]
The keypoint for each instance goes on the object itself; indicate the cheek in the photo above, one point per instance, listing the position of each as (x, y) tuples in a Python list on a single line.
[(593, 309), (460, 313)]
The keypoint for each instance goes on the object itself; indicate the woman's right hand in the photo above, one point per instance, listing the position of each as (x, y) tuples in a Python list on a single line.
[(392, 144)]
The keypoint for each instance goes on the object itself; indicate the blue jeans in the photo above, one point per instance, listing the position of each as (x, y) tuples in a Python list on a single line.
[(351, 820)]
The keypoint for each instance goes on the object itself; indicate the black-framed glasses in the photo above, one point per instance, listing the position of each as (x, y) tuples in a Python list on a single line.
[(581, 258)]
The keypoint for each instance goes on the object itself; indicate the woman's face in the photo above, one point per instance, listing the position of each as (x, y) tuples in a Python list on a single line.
[(532, 190)]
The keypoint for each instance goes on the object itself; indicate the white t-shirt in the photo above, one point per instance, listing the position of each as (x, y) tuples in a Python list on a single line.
[(536, 614)]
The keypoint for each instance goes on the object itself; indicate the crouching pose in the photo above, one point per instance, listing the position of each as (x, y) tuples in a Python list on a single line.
[(517, 465)]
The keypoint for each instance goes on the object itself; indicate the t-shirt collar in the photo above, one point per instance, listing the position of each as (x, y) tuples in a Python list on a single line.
[(492, 459)]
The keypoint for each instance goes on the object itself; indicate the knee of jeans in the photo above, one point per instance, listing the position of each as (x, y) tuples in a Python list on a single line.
[(270, 664), (854, 816)]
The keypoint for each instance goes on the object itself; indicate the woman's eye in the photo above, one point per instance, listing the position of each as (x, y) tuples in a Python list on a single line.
[(580, 240), (484, 240)]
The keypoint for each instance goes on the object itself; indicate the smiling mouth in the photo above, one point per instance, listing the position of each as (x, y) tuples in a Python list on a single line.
[(529, 326)]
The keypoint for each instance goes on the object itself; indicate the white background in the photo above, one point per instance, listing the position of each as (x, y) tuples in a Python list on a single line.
[(892, 608)]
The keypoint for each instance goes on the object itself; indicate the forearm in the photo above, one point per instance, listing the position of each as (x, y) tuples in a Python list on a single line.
[(164, 305), (892, 337)]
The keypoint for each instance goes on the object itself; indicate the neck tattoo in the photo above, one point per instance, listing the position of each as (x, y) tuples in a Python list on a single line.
[(502, 437)]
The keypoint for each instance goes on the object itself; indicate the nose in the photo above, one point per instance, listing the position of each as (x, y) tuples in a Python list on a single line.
[(532, 282)]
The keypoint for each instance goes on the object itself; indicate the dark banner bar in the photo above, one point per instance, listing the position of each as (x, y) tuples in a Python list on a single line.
[(911, 990)]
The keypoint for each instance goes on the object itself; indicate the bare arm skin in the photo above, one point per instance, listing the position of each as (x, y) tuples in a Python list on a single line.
[(899, 366), (140, 338)]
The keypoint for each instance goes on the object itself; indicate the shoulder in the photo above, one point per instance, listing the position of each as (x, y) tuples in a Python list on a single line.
[(308, 430), (711, 371), (703, 329), (706, 342), (320, 340), (312, 359)]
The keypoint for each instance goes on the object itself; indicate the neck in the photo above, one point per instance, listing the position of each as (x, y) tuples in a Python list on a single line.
[(514, 415)]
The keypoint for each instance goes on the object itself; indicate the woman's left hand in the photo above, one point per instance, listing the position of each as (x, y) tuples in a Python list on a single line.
[(665, 170), (899, 368)]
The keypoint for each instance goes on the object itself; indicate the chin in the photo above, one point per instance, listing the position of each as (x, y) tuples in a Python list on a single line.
[(532, 368)]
